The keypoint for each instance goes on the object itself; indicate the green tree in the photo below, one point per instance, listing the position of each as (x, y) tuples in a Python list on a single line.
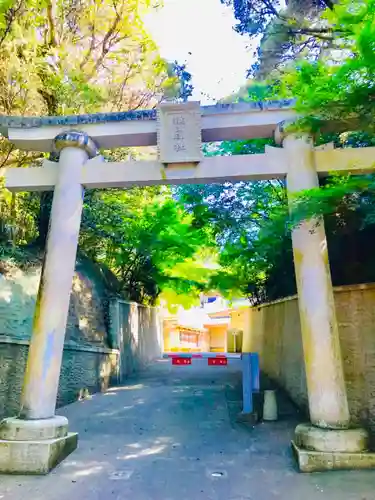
[(340, 86), (62, 57), (249, 222), (285, 30), (144, 236), (339, 89), (335, 88)]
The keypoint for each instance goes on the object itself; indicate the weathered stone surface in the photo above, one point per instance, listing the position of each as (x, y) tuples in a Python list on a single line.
[(35, 457), (320, 461), (328, 403), (89, 362), (86, 321), (276, 336), (16, 429), (86, 368), (82, 368), (313, 438)]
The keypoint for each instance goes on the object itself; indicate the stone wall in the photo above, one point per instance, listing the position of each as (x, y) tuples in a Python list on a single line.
[(87, 312), (274, 331), (136, 332), (106, 340), (83, 369)]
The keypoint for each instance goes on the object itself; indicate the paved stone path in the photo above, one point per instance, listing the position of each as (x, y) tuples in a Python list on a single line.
[(170, 434)]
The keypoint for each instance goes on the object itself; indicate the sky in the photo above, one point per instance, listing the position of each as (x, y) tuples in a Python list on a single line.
[(219, 57)]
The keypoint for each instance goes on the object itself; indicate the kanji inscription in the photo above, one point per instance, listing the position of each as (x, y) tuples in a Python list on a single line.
[(179, 133)]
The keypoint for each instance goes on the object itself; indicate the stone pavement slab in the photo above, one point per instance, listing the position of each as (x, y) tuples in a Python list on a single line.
[(170, 434)]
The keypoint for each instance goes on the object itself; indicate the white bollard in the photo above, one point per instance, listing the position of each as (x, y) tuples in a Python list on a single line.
[(270, 406)]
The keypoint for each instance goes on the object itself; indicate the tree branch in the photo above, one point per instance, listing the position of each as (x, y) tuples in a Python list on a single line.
[(52, 39), (107, 42), (90, 49), (316, 33), (10, 17), (6, 158)]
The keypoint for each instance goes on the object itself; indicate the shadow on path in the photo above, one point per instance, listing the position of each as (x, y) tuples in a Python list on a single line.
[(170, 434)]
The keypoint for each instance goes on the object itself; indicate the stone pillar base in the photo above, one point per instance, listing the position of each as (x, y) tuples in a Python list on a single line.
[(313, 438), (34, 446), (320, 461), (319, 449)]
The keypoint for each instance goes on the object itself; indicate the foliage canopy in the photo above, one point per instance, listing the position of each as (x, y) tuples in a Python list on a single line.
[(66, 57), (93, 56)]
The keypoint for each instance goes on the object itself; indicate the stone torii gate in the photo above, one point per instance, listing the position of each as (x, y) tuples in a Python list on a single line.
[(37, 439)]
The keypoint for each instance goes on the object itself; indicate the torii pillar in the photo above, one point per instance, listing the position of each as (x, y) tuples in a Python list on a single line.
[(38, 439), (329, 441)]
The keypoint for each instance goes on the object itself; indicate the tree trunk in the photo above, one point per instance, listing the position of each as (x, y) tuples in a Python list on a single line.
[(43, 218)]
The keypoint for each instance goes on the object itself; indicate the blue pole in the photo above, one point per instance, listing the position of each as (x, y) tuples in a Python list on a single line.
[(255, 372), (247, 393)]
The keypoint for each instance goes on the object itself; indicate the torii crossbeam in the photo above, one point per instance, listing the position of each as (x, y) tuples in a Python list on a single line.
[(273, 164)]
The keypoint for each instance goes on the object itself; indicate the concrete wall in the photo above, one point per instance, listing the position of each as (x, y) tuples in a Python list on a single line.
[(106, 340), (136, 332), (274, 331)]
